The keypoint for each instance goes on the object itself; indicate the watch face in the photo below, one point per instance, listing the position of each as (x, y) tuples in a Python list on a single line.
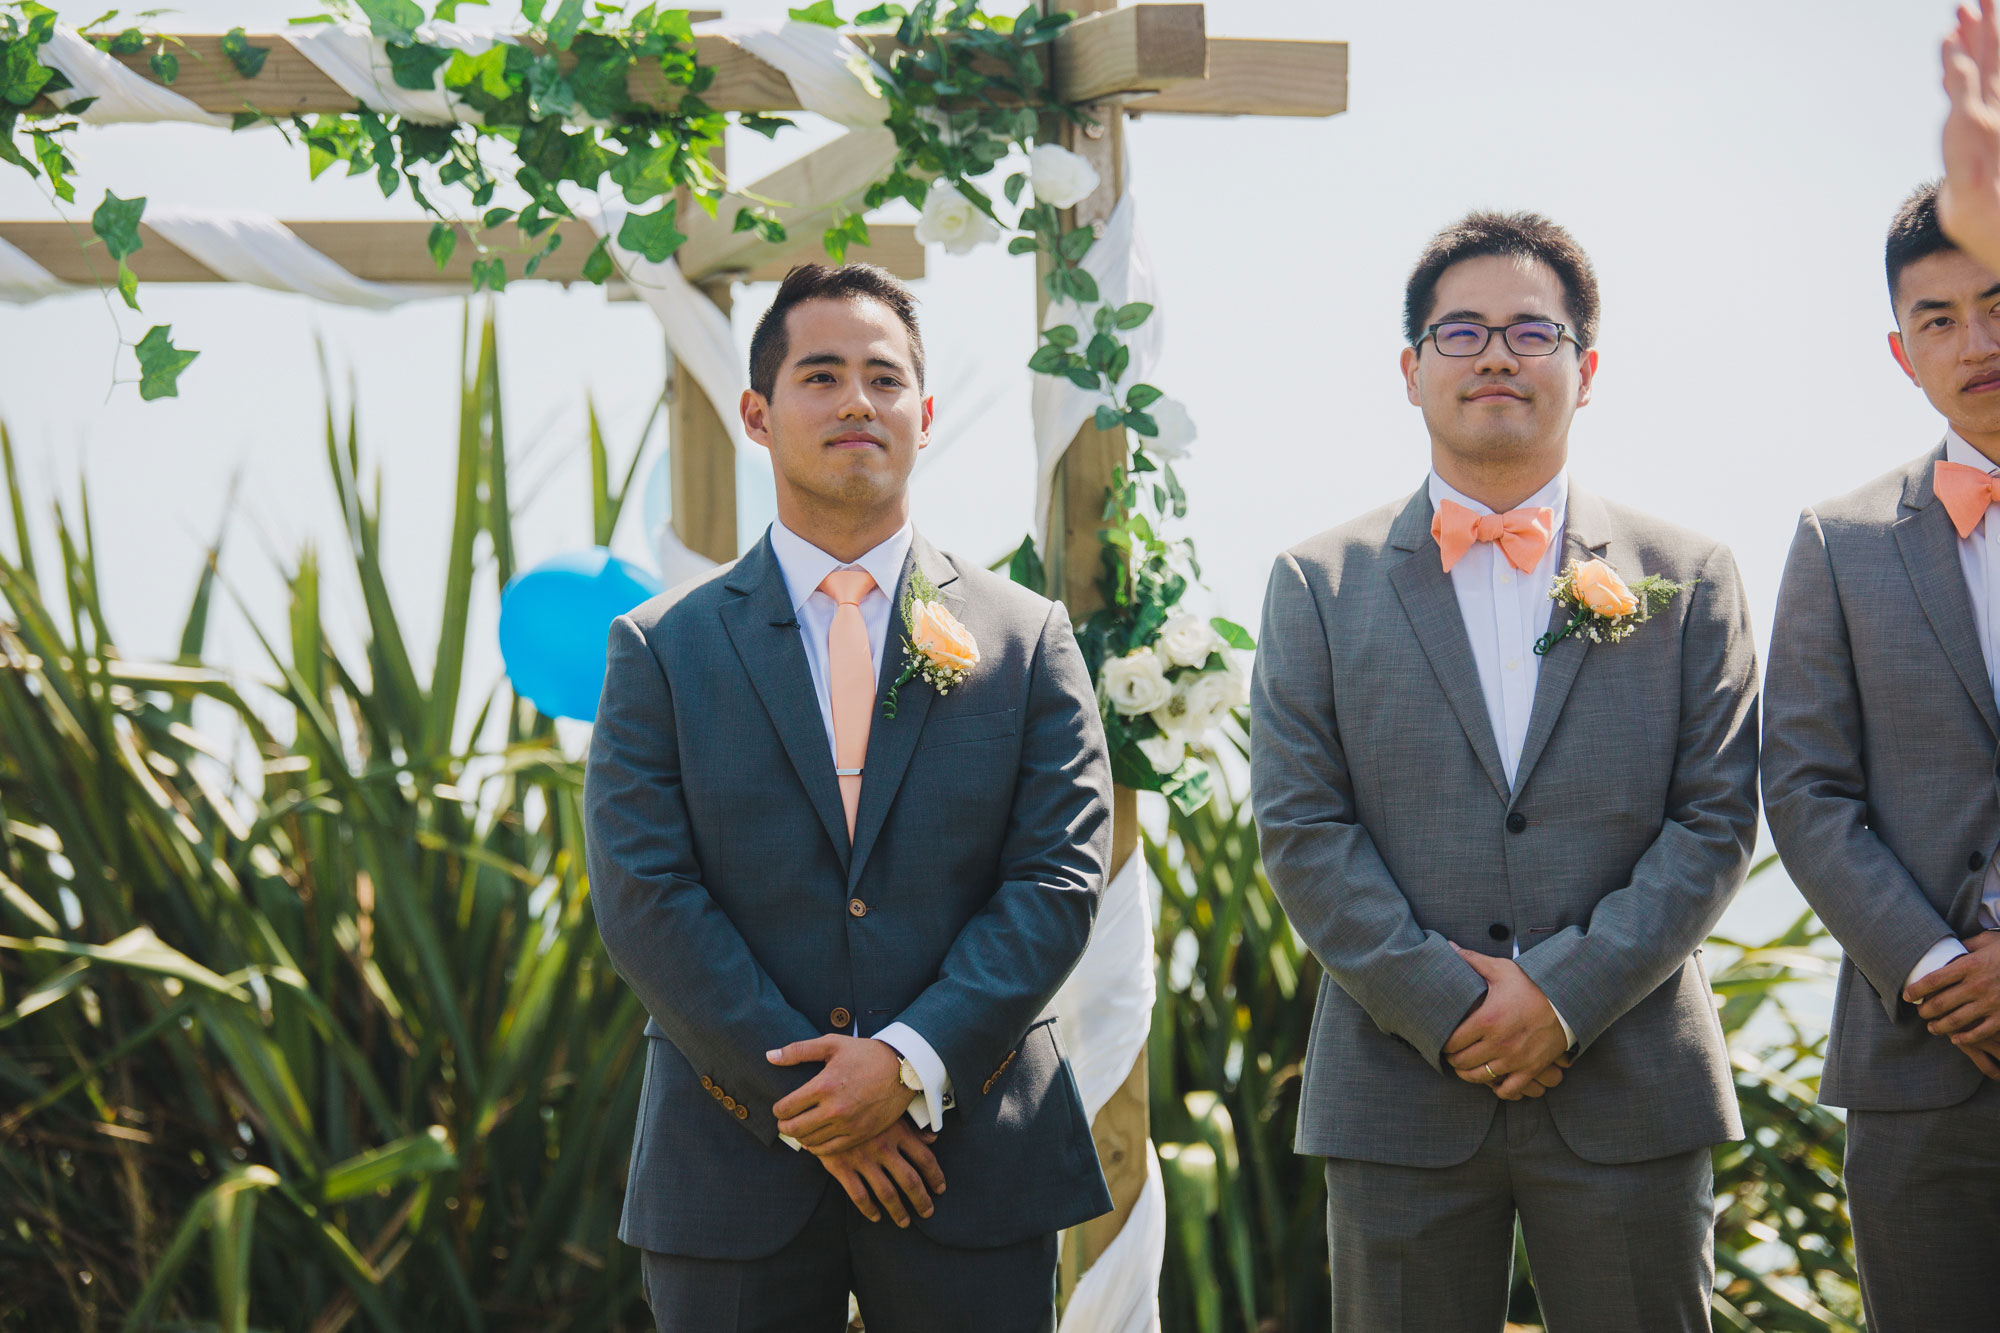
[(909, 1076)]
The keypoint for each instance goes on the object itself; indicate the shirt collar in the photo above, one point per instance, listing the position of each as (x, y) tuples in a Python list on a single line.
[(1554, 496), (1956, 450), (805, 566)]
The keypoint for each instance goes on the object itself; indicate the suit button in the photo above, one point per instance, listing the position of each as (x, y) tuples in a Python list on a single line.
[(855, 907), (1498, 931), (729, 1103), (1974, 861), (707, 1082), (742, 1113), (715, 1092), (840, 1018), (1516, 822)]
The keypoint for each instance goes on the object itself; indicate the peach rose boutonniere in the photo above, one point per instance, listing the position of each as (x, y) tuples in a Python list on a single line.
[(936, 647), (1603, 608)]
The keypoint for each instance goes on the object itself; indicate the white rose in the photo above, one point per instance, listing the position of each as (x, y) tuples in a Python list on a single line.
[(1136, 683), (1186, 640), (1060, 177), (1177, 430), (1164, 753), (1201, 700), (953, 221)]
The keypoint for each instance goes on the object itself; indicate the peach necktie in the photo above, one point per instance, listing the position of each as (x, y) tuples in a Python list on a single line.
[(1522, 534), (850, 682), (1966, 492)]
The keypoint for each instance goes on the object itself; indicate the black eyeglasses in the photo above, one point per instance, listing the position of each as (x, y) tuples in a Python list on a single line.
[(1528, 337)]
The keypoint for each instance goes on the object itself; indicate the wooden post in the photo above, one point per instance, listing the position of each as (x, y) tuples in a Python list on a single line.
[(701, 450), (1123, 1124)]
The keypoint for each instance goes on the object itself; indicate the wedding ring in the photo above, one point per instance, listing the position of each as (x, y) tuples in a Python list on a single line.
[(1491, 1077)]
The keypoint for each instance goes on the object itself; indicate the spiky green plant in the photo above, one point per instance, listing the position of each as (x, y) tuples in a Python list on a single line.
[(304, 1022), (1246, 1239)]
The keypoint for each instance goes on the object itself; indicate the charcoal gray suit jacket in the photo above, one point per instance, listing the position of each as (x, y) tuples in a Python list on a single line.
[(1389, 831), (1880, 771), (730, 899)]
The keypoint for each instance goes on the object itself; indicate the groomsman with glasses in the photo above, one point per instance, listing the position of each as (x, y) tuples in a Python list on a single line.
[(1880, 786), (1504, 823)]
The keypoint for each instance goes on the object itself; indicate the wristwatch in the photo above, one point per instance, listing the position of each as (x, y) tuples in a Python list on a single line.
[(908, 1073)]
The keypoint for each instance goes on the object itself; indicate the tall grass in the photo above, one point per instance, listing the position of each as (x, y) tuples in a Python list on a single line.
[(320, 1039), (1247, 1221)]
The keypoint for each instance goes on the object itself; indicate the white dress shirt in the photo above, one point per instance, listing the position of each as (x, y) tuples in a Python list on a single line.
[(1504, 612), (1979, 560), (805, 567)]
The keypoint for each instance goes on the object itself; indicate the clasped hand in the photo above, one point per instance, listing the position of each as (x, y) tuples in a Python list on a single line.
[(850, 1116), (1512, 1041), (1961, 1001)]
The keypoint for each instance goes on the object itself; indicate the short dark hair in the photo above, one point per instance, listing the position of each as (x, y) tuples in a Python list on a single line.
[(1519, 236), (769, 345), (1914, 235)]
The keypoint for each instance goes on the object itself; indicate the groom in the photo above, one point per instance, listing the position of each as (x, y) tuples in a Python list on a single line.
[(848, 807), (1506, 861)]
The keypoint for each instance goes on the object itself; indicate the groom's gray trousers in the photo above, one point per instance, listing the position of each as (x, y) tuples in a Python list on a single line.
[(905, 1281)]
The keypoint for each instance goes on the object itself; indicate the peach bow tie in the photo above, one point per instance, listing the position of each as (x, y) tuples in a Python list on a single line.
[(1966, 492), (850, 672), (1522, 534)]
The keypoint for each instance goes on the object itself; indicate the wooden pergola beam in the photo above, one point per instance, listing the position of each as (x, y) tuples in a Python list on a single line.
[(1155, 52), (1253, 77), (394, 251)]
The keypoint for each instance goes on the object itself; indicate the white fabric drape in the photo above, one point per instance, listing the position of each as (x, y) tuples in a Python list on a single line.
[(122, 96), (23, 281), (355, 59), (832, 76), (1120, 1292), (257, 249), (1123, 268)]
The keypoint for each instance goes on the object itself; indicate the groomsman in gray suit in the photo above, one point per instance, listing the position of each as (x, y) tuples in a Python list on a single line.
[(847, 893), (1879, 782), (1507, 861)]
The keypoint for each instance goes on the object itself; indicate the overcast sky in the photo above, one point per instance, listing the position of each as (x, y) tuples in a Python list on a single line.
[(1730, 167)]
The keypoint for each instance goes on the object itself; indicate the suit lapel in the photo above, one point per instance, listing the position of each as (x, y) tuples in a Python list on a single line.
[(1586, 532), (1432, 607), (892, 741), (764, 630), (1929, 544)]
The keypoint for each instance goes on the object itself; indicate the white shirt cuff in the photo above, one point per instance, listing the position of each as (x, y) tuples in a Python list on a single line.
[(928, 1109), (1569, 1033), (789, 1141), (1936, 957)]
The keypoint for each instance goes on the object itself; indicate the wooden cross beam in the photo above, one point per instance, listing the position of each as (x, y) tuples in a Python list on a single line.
[(1157, 52)]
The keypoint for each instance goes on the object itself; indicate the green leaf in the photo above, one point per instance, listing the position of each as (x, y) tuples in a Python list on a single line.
[(1101, 321), (879, 14), (563, 27), (128, 285), (415, 66), (1082, 287), (820, 12), (1077, 242), (443, 240), (1141, 396), (1107, 417), (1046, 360), (1232, 633), (1118, 363), (22, 75), (1025, 568), (651, 234), (1023, 245), (392, 1164), (1142, 424), (1062, 335), (1133, 315), (597, 265), (489, 274), (393, 20), (248, 59), (1012, 189), (161, 363), (1084, 378), (116, 221), (495, 216), (127, 43), (482, 79), (56, 163), (166, 66), (549, 93)]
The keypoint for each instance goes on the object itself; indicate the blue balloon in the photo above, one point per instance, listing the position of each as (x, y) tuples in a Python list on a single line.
[(555, 620)]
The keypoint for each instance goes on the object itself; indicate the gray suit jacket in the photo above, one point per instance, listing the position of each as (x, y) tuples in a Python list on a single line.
[(1389, 830), (729, 899), (1880, 770)]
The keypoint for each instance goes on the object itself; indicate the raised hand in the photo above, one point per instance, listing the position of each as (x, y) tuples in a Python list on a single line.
[(1961, 1000), (894, 1172), (1969, 205), (859, 1094), (1512, 1041)]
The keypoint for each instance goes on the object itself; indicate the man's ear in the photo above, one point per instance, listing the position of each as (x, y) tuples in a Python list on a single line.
[(930, 414), (1902, 357), (1409, 364), (1586, 370), (756, 412)]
